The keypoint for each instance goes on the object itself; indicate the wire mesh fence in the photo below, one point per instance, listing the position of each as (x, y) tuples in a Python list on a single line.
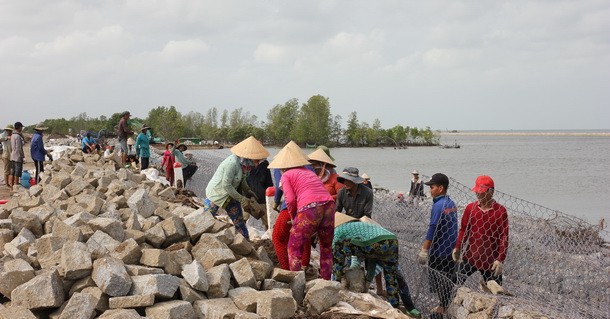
[(556, 264)]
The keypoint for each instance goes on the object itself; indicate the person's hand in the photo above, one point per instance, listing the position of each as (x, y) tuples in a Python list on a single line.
[(456, 255), (244, 201), (497, 268), (422, 257), (251, 194)]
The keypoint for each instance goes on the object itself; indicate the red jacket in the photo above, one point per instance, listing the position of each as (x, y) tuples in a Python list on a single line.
[(484, 234), (333, 186)]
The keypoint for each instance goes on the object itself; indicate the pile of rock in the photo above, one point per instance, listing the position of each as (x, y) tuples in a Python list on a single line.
[(469, 304), (93, 239)]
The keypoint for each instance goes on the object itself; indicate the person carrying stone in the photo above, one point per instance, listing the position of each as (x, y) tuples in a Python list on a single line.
[(379, 247), (482, 241), (228, 187), (189, 167), (438, 243), (310, 206), (259, 180)]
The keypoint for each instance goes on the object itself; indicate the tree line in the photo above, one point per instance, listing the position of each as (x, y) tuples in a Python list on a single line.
[(309, 123)]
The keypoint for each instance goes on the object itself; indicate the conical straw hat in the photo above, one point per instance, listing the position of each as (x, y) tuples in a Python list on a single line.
[(250, 148), (289, 156), (341, 218), (320, 156)]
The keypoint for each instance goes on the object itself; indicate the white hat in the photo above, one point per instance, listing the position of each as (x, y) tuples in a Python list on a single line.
[(321, 156), (365, 176), (250, 148), (415, 172), (289, 156)]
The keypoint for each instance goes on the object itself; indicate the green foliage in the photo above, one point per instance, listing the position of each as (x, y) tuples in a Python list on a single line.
[(309, 123)]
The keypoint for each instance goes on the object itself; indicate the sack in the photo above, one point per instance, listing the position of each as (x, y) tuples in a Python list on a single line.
[(25, 179)]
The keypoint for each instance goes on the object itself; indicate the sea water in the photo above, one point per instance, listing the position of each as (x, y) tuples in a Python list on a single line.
[(566, 172)]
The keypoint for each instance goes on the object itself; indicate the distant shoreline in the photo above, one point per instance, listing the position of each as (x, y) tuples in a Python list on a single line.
[(526, 133)]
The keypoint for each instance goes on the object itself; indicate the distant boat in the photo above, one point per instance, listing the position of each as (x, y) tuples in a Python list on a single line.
[(307, 145)]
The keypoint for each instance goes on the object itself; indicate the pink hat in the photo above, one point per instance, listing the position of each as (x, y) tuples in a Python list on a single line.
[(482, 184)]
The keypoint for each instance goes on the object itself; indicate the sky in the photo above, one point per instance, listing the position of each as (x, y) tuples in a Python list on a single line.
[(465, 65)]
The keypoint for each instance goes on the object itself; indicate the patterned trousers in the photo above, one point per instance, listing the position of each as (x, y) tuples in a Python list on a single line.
[(305, 224), (233, 210), (280, 236), (383, 253)]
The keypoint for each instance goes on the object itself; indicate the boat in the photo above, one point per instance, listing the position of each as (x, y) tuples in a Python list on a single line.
[(455, 145), (307, 145)]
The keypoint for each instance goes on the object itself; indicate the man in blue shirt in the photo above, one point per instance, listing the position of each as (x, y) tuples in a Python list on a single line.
[(88, 144), (38, 151), (439, 242)]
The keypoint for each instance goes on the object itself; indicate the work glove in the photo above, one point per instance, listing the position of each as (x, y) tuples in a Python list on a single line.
[(244, 202), (251, 194), (422, 257), (456, 255), (276, 206), (497, 268)]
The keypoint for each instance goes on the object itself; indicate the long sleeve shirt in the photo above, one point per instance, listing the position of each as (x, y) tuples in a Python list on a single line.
[(302, 187), (358, 206), (443, 227), (227, 178), (332, 185), (142, 145), (484, 235), (6, 144), (37, 148)]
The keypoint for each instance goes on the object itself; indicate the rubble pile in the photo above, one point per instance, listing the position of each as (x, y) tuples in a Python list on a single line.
[(97, 240)]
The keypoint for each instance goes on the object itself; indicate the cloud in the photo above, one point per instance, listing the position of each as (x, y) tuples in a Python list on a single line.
[(270, 53)]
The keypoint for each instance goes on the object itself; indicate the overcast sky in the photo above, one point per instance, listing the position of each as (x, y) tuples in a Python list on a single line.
[(445, 64)]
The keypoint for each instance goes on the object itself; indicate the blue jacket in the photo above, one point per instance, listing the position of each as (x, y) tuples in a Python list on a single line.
[(443, 229), (142, 145), (37, 148)]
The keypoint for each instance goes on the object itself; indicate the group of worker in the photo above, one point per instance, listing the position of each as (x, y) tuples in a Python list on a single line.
[(318, 205)]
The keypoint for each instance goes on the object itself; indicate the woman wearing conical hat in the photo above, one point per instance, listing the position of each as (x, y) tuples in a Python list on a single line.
[(228, 187), (324, 167), (310, 206)]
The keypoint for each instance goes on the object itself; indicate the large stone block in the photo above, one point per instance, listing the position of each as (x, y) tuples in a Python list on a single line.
[(322, 295), (177, 259), (24, 240), (261, 269), (215, 257), (80, 306), (243, 274), (110, 226), (22, 219), (215, 308), (77, 186), (141, 203), (101, 244), (154, 257), (155, 235), (174, 230), (137, 270), (276, 304), (171, 309), (43, 291), (245, 298), (189, 294), (13, 274), (195, 276), (111, 277), (137, 301), (128, 251), (100, 298), (198, 222), (205, 243), (61, 229), (120, 314), (75, 261), (219, 281), (162, 286), (241, 245), (15, 312)]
